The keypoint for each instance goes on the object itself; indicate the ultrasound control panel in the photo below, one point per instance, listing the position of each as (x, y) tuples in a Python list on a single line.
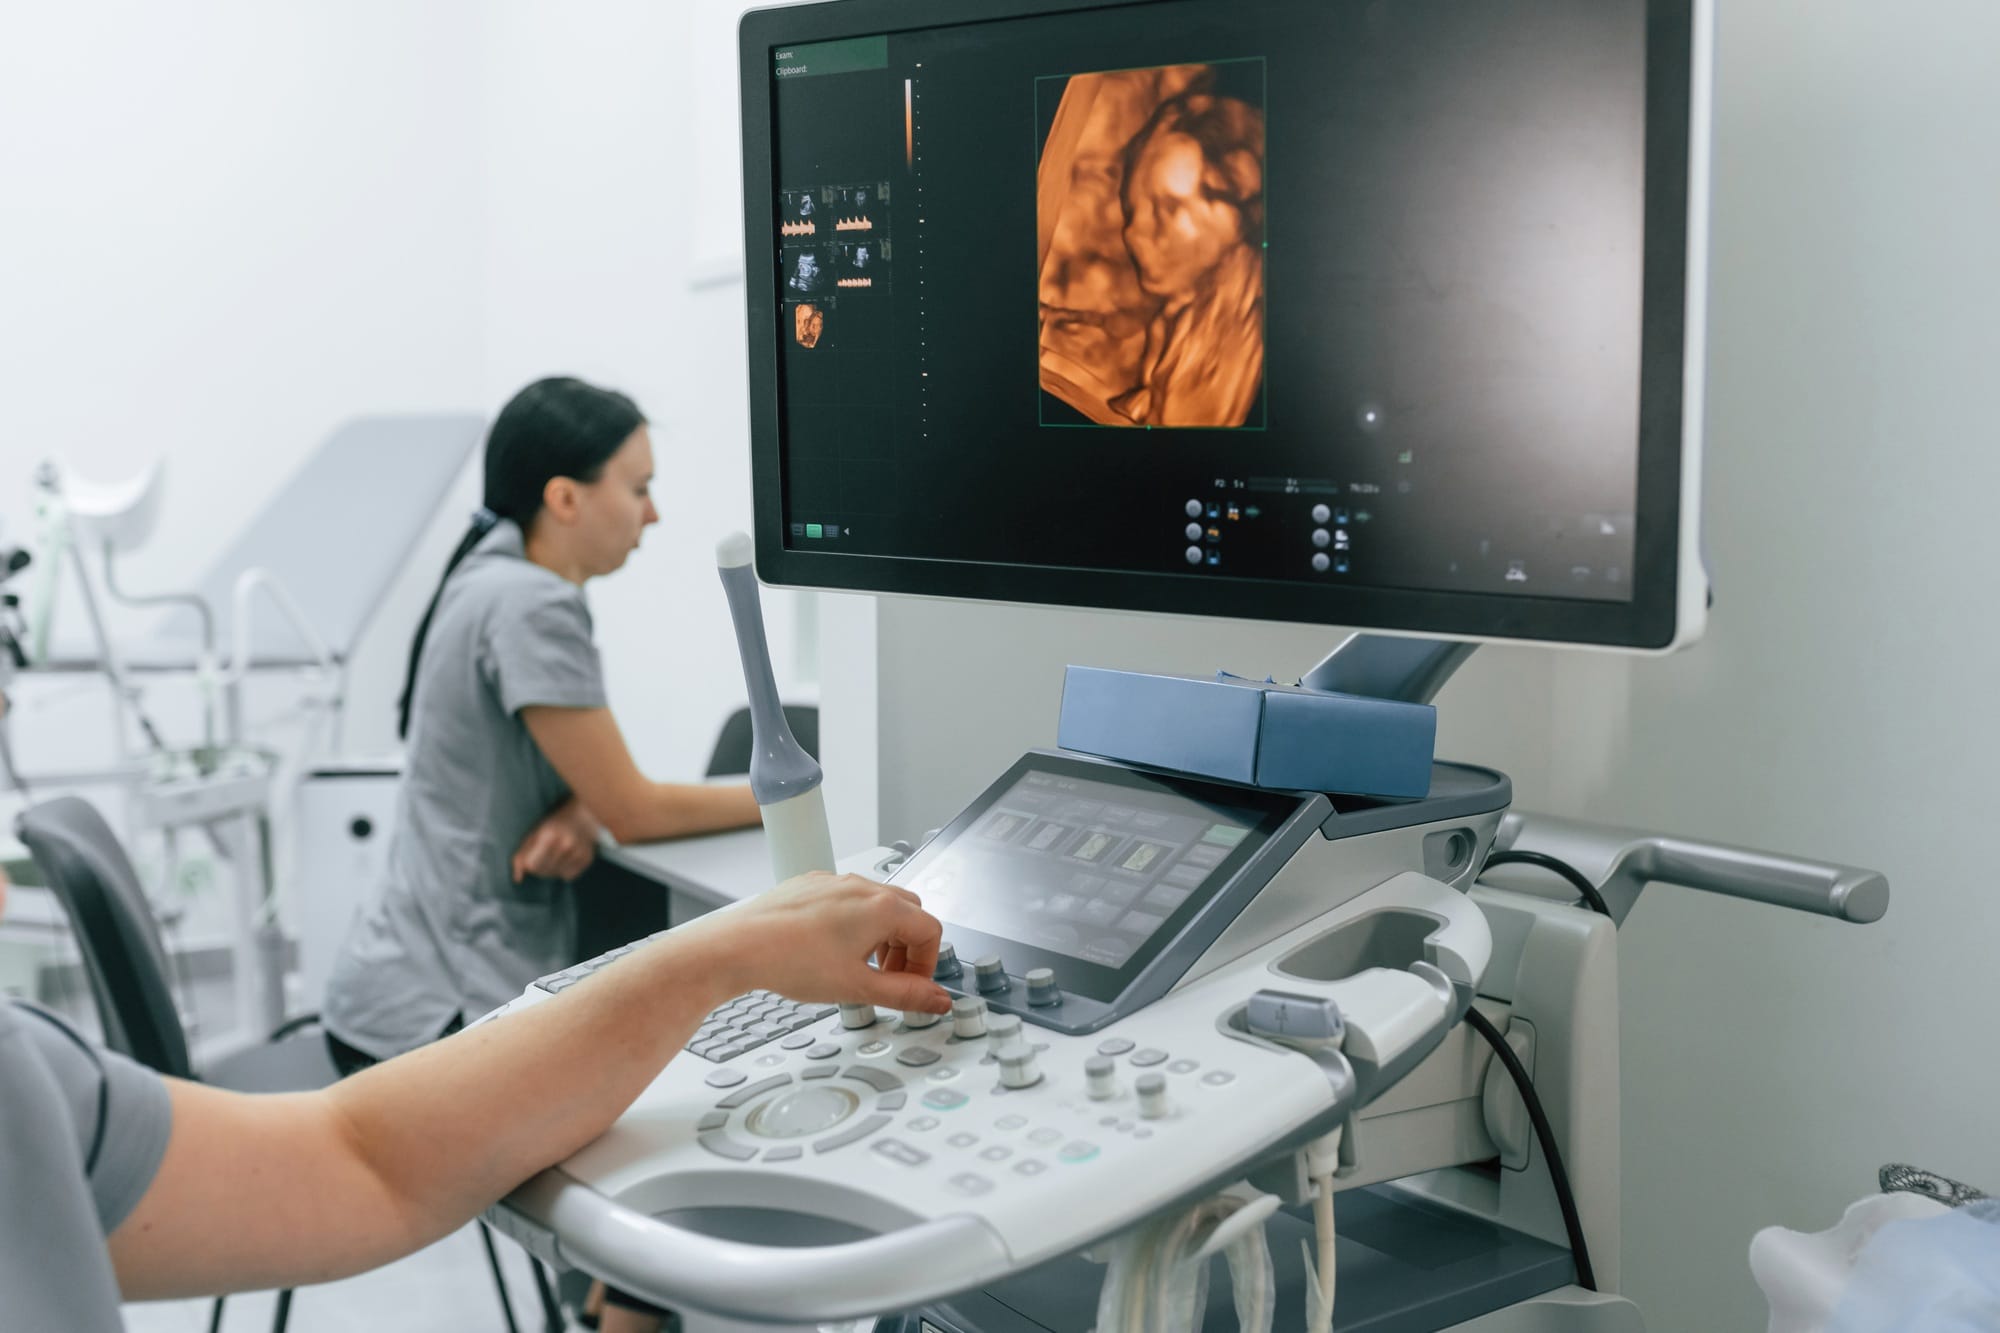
[(1075, 891), (946, 1151)]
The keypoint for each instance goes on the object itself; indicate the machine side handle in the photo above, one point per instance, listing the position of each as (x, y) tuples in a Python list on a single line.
[(1622, 862), (1847, 892), (674, 1266)]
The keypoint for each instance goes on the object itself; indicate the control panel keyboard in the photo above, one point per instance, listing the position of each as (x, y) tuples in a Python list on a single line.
[(736, 1028)]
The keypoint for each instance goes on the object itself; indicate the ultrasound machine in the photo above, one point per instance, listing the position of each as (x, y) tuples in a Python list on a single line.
[(1381, 314)]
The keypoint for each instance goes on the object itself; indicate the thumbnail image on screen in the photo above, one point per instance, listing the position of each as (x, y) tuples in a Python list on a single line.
[(1149, 203)]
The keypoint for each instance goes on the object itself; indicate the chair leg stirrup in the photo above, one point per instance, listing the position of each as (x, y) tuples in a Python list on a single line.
[(499, 1280), (552, 1315)]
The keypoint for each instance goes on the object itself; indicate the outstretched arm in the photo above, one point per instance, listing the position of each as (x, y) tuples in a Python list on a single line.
[(270, 1191)]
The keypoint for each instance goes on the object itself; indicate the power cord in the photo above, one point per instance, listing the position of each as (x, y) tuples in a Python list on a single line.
[(1555, 866), (1586, 1276)]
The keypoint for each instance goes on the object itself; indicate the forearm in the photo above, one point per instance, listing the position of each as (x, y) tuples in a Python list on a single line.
[(550, 1078), (270, 1191), (677, 809)]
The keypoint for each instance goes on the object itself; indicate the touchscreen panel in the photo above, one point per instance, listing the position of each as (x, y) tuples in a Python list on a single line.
[(1087, 868)]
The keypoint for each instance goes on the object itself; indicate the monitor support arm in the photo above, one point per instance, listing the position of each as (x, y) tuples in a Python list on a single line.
[(1381, 667)]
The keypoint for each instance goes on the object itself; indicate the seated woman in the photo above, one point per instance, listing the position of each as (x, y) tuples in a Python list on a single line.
[(514, 762)]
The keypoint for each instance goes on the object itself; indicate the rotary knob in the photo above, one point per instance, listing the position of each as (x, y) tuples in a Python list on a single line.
[(1003, 1031), (1101, 1075), (947, 964), (1042, 988), (1019, 1067), (968, 1017), (990, 974), (1153, 1103), (854, 1016), (917, 1018)]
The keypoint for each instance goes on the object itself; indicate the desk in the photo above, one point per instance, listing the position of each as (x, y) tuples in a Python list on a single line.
[(712, 870)]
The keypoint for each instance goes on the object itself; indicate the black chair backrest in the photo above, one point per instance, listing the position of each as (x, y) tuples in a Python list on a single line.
[(732, 747), (82, 861)]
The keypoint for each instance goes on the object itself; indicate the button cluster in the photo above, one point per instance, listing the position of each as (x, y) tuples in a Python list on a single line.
[(813, 1108), (749, 1021)]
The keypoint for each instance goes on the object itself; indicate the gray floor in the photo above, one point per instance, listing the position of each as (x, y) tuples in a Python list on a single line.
[(444, 1289)]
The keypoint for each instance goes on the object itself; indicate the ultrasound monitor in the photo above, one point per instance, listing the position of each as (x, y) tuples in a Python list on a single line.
[(1381, 315)]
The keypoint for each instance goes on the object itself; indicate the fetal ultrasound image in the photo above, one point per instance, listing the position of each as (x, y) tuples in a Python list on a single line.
[(809, 269), (864, 265), (1150, 223), (811, 323)]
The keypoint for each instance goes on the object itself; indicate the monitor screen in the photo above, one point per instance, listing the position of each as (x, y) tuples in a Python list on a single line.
[(1089, 869), (1343, 311)]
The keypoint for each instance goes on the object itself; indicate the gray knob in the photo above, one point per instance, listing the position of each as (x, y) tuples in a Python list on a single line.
[(1003, 1031), (857, 1015), (1042, 988), (917, 1018), (1153, 1103), (968, 1017), (947, 963), (1101, 1074), (1019, 1068), (990, 974)]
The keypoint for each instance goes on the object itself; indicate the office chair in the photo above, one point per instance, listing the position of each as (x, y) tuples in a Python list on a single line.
[(732, 748), (84, 864)]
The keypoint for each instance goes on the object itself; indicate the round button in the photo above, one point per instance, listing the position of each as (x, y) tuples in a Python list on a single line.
[(1194, 555), (947, 963), (1019, 1068), (797, 1114), (1321, 513), (1003, 1030), (1321, 537), (1194, 509), (1113, 1046), (1320, 562), (1216, 1078), (871, 1047), (854, 1016), (919, 1018), (1042, 988), (968, 1017), (990, 973), (1194, 532)]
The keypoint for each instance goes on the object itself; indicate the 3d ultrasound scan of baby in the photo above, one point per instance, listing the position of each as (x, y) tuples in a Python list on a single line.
[(1150, 224)]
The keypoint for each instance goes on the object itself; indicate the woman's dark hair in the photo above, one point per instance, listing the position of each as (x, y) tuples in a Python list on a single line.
[(558, 427)]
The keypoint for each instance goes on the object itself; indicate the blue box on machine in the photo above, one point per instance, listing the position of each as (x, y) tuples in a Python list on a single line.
[(1253, 732)]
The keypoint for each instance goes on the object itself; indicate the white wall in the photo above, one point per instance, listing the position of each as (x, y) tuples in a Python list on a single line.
[(1842, 705), (225, 228)]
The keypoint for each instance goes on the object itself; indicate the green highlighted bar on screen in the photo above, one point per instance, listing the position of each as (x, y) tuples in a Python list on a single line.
[(842, 57)]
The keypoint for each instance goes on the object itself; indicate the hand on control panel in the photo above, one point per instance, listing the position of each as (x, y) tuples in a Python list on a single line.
[(811, 938)]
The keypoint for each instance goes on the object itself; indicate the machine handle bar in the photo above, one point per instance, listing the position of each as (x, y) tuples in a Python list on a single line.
[(1622, 862), (572, 1225)]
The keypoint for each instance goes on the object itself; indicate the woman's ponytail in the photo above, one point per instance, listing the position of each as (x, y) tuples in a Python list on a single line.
[(482, 523)]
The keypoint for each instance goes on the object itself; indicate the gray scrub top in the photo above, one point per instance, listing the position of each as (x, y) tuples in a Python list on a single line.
[(82, 1133), (449, 932)]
